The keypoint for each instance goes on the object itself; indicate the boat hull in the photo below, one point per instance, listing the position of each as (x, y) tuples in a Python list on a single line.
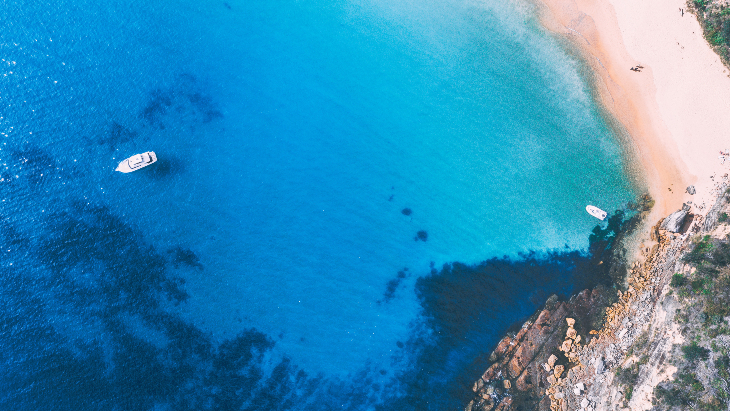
[(596, 212), (137, 162)]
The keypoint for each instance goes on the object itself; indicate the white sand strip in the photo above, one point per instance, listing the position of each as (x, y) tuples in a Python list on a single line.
[(677, 109)]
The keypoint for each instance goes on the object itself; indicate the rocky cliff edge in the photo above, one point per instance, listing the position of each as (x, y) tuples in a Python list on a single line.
[(571, 354)]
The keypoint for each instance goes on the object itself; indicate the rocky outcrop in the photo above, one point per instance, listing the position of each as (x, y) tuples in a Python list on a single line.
[(713, 214), (527, 363), (624, 322), (643, 317), (558, 361), (673, 223)]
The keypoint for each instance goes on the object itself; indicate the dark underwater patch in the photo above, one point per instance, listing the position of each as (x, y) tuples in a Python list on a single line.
[(467, 308), (390, 289), (33, 165), (392, 286), (184, 256), (185, 102), (131, 273), (74, 276), (92, 269), (157, 106), (118, 134), (203, 104)]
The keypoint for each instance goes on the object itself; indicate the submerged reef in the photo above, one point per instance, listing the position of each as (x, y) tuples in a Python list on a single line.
[(94, 269), (463, 303), (118, 134), (529, 360), (184, 100)]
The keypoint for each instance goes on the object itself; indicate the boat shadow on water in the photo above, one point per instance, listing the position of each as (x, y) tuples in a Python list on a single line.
[(163, 168)]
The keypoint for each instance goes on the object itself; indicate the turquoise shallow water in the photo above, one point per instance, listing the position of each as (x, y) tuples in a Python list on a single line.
[(268, 259)]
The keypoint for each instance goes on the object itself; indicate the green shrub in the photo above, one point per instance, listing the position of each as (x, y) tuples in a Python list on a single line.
[(699, 253), (678, 280), (721, 255), (694, 352), (687, 378), (640, 343), (697, 284), (717, 385), (681, 317), (672, 396), (707, 288), (722, 365), (723, 217), (719, 348), (717, 39), (628, 375), (725, 28), (713, 404), (714, 319), (707, 270)]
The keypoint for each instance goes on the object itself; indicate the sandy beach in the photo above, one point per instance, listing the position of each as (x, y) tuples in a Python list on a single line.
[(675, 109)]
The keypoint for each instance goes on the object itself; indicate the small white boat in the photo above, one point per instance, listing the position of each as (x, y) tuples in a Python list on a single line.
[(137, 161), (596, 212)]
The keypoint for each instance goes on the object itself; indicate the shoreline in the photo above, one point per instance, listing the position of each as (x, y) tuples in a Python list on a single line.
[(674, 112), (573, 354), (674, 116)]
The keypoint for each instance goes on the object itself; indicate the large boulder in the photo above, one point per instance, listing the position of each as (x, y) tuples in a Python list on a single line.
[(675, 220)]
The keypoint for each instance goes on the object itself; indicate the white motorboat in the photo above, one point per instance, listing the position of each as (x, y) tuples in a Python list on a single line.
[(596, 212), (137, 161)]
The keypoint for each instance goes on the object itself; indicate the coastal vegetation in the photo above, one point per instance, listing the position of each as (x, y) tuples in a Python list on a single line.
[(702, 380), (714, 17), (635, 342)]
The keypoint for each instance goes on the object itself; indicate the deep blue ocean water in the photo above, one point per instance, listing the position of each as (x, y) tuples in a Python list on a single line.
[(354, 199)]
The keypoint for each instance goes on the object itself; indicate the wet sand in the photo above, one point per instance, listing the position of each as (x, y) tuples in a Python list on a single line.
[(675, 109)]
